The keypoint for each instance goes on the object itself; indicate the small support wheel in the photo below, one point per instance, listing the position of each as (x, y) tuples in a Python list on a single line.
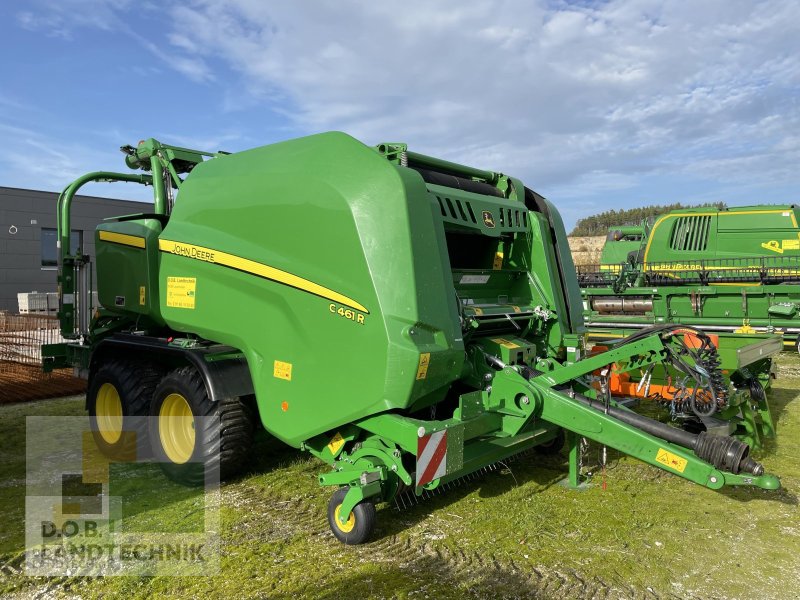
[(552, 447), (797, 344), (360, 524)]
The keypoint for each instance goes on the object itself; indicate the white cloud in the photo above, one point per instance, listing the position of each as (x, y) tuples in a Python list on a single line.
[(35, 160), (62, 18), (555, 93), (569, 97)]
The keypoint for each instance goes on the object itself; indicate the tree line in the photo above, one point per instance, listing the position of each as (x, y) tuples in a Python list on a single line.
[(598, 224)]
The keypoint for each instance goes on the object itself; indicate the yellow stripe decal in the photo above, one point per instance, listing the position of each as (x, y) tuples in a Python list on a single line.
[(256, 268), (122, 238), (605, 335)]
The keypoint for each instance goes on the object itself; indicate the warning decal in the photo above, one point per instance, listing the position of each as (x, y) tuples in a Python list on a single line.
[(474, 279), (780, 246), (431, 457), (181, 292), (336, 442), (671, 460), (424, 361), (282, 370), (142, 292), (498, 261), (505, 343)]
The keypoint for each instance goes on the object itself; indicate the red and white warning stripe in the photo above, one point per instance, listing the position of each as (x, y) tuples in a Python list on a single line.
[(431, 457)]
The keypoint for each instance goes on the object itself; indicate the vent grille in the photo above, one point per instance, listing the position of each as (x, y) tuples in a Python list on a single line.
[(458, 210), (690, 233)]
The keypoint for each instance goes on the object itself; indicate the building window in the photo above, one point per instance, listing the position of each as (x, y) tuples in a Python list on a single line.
[(49, 250)]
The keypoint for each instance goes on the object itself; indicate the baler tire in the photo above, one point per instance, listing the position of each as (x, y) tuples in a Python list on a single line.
[(130, 384), (361, 521), (223, 445)]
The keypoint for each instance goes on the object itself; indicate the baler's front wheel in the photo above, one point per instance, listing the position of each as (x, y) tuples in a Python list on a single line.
[(193, 438), (358, 527), (118, 400)]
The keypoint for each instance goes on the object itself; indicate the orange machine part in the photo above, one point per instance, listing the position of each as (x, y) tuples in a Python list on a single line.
[(620, 384)]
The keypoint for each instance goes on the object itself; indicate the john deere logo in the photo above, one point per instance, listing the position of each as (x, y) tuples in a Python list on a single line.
[(488, 219)]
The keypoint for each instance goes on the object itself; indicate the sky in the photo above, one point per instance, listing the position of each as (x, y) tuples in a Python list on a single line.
[(595, 105)]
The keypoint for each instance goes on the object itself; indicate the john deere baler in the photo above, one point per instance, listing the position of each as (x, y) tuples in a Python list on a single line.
[(405, 319)]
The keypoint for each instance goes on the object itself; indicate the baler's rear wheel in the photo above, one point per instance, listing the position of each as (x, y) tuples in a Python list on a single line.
[(193, 438), (118, 400), (358, 527)]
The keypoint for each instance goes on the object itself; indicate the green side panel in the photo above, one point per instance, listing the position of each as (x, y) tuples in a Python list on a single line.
[(332, 212), (127, 275), (738, 350), (615, 253), (620, 242), (561, 255), (571, 290), (751, 231), (786, 311), (545, 280)]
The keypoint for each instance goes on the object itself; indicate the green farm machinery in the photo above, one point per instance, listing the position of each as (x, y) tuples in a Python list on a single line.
[(727, 270), (407, 320), (732, 273)]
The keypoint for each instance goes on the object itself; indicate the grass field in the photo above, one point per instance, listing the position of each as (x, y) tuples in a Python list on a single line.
[(514, 533)]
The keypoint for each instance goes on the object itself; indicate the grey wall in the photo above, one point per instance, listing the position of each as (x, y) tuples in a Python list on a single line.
[(26, 212)]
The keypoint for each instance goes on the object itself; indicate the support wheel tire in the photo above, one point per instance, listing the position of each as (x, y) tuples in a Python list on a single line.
[(359, 526), (552, 447), (193, 438), (118, 401)]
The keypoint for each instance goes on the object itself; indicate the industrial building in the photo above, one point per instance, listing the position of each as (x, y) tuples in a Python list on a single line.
[(28, 237)]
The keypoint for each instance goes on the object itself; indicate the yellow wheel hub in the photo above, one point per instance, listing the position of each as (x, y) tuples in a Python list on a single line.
[(108, 413), (348, 526), (176, 428)]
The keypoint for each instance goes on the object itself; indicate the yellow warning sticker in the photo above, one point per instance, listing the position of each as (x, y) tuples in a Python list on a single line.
[(781, 246), (336, 442), (141, 295), (424, 361), (498, 261), (478, 311), (180, 292), (505, 343), (282, 370), (671, 460), (517, 309)]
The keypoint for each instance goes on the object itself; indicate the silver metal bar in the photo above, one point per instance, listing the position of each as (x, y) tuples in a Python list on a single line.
[(760, 329), (84, 304)]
